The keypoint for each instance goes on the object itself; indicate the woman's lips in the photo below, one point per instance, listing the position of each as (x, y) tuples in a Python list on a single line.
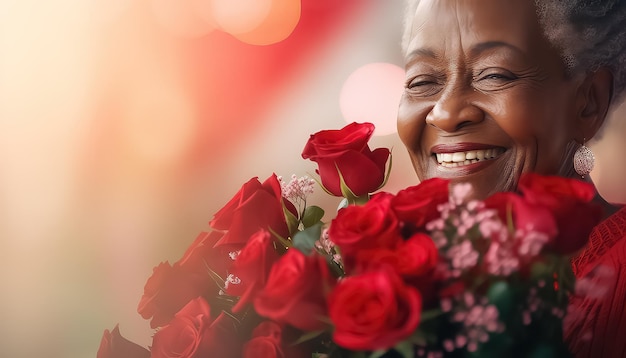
[(465, 154)]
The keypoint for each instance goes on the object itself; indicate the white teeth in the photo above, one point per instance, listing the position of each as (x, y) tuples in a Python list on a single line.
[(451, 160), (458, 157)]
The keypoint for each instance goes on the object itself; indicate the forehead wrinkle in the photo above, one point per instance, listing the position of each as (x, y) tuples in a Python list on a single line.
[(459, 26)]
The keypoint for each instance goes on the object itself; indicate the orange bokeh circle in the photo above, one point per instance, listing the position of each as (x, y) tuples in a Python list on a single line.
[(280, 22)]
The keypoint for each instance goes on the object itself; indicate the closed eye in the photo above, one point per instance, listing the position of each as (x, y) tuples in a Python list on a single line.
[(424, 85), (497, 76)]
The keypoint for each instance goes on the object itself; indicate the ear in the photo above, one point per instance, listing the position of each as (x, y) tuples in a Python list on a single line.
[(595, 95)]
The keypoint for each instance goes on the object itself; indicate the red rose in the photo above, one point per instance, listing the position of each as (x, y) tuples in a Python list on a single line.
[(414, 257), (169, 289), (113, 345), (202, 253), (346, 151), (192, 334), (294, 293), (373, 311), (252, 267), (268, 341), (361, 227), (417, 204), (570, 201), (265, 342), (525, 215), (256, 206)]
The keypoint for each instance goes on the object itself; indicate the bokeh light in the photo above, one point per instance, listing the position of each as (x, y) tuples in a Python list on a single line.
[(279, 23), (235, 16), (372, 94), (180, 18)]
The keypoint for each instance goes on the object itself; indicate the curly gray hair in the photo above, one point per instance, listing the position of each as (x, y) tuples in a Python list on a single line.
[(589, 34)]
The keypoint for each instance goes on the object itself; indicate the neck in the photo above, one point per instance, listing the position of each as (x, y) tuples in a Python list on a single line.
[(608, 209)]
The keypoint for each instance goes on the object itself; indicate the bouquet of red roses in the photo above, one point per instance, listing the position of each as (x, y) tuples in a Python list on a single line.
[(427, 271)]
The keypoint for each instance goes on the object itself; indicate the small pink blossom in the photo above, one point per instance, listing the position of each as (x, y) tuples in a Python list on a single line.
[(500, 260), (460, 192), (298, 189), (463, 255), (530, 242)]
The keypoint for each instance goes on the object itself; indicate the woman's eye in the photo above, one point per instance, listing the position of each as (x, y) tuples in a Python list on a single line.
[(423, 86), (419, 82), (494, 80), (498, 76)]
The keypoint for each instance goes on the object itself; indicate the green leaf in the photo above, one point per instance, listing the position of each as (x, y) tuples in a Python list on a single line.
[(405, 348), (378, 353), (540, 270), (501, 295), (312, 215), (284, 242), (305, 240), (345, 190), (307, 337), (219, 281), (430, 314)]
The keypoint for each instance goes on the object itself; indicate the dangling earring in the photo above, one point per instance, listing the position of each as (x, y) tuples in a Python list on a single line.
[(583, 160)]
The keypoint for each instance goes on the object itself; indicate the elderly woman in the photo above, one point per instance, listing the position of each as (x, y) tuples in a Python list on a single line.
[(498, 88)]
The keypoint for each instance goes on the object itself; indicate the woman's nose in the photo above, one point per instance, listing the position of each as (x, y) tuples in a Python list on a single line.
[(453, 111)]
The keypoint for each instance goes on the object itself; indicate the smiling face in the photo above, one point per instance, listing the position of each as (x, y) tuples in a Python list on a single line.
[(487, 98)]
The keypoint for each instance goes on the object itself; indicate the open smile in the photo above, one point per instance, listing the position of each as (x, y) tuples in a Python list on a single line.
[(457, 159)]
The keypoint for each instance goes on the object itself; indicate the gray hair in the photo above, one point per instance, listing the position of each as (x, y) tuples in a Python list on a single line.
[(588, 33)]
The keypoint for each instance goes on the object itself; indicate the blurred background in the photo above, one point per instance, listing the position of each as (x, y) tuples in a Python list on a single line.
[(125, 124)]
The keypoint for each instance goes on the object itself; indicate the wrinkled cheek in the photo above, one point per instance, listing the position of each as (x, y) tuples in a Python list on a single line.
[(410, 124)]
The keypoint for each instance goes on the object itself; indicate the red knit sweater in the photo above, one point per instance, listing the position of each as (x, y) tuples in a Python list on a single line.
[(596, 322)]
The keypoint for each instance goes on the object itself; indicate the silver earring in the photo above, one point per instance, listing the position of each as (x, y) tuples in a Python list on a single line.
[(583, 160)]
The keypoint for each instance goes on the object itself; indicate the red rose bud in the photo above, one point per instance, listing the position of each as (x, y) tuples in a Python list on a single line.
[(570, 201), (417, 205), (373, 311), (113, 345), (295, 291), (251, 268), (344, 156), (256, 206)]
